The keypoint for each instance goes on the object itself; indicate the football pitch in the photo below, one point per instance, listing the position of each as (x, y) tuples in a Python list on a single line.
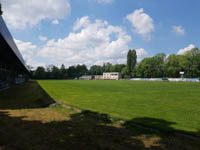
[(123, 115), (162, 105)]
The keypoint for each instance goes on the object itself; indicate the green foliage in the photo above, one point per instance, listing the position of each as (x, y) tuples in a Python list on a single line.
[(131, 62), (118, 68), (134, 60), (77, 71), (40, 73), (96, 70), (188, 63), (125, 73), (53, 72), (151, 67), (192, 65), (160, 66), (107, 67), (174, 65), (63, 72)]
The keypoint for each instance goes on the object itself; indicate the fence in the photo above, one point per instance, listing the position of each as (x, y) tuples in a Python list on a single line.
[(167, 79)]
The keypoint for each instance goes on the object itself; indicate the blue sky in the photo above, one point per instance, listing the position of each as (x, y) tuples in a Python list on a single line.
[(96, 31)]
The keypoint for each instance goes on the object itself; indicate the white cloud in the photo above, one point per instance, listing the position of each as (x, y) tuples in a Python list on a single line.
[(28, 50), (94, 43), (82, 22), (141, 53), (178, 30), (142, 23), (43, 38), (103, 1), (184, 50), (22, 13), (55, 21)]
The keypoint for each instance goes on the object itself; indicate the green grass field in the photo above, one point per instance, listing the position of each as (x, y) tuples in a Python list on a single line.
[(163, 105), (31, 119)]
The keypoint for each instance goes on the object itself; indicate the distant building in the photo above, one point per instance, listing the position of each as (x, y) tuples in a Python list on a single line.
[(98, 77), (105, 76), (91, 77), (85, 78), (111, 76)]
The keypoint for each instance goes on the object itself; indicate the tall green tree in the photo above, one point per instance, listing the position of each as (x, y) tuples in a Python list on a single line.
[(107, 67), (40, 73), (124, 73), (134, 59), (192, 64), (81, 70), (131, 62), (96, 70), (55, 73), (63, 71), (117, 67), (72, 72), (174, 65), (152, 67)]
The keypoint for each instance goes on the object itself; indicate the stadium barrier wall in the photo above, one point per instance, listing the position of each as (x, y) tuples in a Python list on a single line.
[(168, 79)]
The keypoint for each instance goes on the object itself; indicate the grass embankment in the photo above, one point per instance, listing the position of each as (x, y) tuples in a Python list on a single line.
[(28, 121), (163, 105)]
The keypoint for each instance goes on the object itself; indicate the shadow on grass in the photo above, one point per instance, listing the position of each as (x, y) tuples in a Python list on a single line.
[(81, 131), (26, 96), (151, 124), (87, 131), (158, 127)]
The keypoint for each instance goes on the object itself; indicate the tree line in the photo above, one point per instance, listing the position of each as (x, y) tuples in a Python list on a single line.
[(158, 66), (74, 72), (170, 66)]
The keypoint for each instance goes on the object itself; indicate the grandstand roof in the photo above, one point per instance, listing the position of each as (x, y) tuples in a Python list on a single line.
[(9, 53)]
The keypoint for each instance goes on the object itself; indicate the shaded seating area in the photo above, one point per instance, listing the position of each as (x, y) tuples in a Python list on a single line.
[(3, 84)]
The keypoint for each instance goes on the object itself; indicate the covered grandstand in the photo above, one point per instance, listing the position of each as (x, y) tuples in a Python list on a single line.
[(13, 69)]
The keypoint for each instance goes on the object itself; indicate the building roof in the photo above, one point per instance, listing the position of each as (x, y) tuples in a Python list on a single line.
[(111, 72), (9, 53)]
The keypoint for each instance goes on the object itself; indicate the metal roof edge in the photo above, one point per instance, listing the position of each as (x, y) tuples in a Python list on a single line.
[(9, 39)]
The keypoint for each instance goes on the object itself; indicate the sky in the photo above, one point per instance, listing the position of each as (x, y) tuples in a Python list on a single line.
[(92, 32)]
